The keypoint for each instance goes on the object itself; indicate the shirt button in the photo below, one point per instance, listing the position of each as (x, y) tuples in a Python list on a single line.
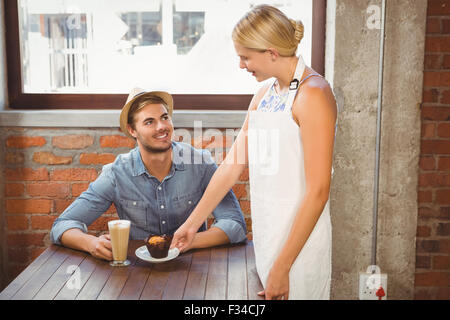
[(163, 222), (159, 188), (190, 202), (162, 207), (134, 203)]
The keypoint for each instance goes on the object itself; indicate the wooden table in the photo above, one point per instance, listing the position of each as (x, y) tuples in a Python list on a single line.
[(220, 273)]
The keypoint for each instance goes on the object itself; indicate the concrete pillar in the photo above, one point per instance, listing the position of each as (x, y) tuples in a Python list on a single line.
[(352, 68)]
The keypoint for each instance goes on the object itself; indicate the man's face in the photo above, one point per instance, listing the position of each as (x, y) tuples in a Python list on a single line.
[(153, 128)]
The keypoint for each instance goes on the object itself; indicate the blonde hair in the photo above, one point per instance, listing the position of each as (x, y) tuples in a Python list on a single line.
[(267, 27)]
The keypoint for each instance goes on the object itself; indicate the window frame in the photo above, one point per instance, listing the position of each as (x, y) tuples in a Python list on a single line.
[(37, 101)]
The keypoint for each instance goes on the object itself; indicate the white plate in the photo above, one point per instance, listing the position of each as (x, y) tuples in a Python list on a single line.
[(142, 253)]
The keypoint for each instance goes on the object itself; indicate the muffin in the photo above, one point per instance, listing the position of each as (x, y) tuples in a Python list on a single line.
[(158, 246)]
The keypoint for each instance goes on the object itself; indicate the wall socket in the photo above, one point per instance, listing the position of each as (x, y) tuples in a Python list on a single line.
[(370, 283)]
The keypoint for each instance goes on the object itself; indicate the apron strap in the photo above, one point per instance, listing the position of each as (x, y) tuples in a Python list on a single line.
[(295, 83)]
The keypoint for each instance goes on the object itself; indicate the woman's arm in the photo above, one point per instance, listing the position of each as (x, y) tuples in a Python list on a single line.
[(316, 112), (220, 184)]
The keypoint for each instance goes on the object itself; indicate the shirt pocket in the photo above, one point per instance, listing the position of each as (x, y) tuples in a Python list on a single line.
[(184, 204), (136, 212)]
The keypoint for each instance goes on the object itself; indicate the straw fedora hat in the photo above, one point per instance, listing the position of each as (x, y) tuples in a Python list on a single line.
[(140, 93)]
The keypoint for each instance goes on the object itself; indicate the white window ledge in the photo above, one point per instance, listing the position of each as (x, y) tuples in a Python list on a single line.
[(110, 118)]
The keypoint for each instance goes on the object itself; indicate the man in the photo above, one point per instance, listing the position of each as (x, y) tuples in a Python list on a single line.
[(155, 186)]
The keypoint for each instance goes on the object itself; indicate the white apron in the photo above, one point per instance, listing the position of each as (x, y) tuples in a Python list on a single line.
[(277, 188)]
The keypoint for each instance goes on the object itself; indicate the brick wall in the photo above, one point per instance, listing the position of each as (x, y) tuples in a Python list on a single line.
[(46, 169), (432, 279)]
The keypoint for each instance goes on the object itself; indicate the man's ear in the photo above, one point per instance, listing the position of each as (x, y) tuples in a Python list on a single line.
[(131, 131)]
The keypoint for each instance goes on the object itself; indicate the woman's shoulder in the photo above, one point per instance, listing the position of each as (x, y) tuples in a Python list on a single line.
[(315, 95)]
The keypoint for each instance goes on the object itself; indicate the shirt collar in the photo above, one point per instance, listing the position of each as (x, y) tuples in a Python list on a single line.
[(177, 163)]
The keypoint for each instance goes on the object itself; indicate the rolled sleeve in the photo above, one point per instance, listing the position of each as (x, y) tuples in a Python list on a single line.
[(90, 205), (62, 226), (234, 230)]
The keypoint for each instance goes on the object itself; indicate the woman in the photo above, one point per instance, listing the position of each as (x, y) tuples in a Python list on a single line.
[(287, 139)]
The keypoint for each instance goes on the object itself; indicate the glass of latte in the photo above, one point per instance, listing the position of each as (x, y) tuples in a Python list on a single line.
[(119, 231)]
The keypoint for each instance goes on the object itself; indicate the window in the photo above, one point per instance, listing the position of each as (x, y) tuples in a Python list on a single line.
[(88, 54)]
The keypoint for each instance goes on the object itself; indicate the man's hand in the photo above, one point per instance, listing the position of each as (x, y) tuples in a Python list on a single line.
[(100, 247)]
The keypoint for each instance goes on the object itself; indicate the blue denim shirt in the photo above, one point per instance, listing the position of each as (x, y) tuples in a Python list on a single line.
[(152, 206)]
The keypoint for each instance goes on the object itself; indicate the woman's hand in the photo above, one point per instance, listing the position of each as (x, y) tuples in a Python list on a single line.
[(277, 285), (100, 247), (183, 237)]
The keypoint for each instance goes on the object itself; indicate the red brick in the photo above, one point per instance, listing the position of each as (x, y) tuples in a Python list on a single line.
[(101, 223), (433, 279), (14, 189), (424, 196), (444, 245), (443, 196), (14, 157), (431, 79), (240, 191), (111, 210), (446, 62), (433, 25), (435, 147), (445, 97), (423, 262), (97, 158), (245, 206), (28, 206), (431, 95), (248, 224), (42, 222), (434, 180), (427, 246), (50, 158), (441, 262), (423, 231), (435, 113), (427, 163), (444, 164), (443, 293), (445, 26), (423, 293), (78, 188), (443, 229), (437, 44), (26, 174), (16, 222), (36, 252), (438, 8), (49, 189), (428, 130), (61, 205), (22, 142), (244, 175), (117, 141), (18, 255), (26, 239), (443, 130), (444, 80), (426, 213), (444, 212), (74, 174), (73, 141), (433, 62)]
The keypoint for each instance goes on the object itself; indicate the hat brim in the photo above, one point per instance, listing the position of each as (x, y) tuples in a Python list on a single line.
[(166, 97)]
